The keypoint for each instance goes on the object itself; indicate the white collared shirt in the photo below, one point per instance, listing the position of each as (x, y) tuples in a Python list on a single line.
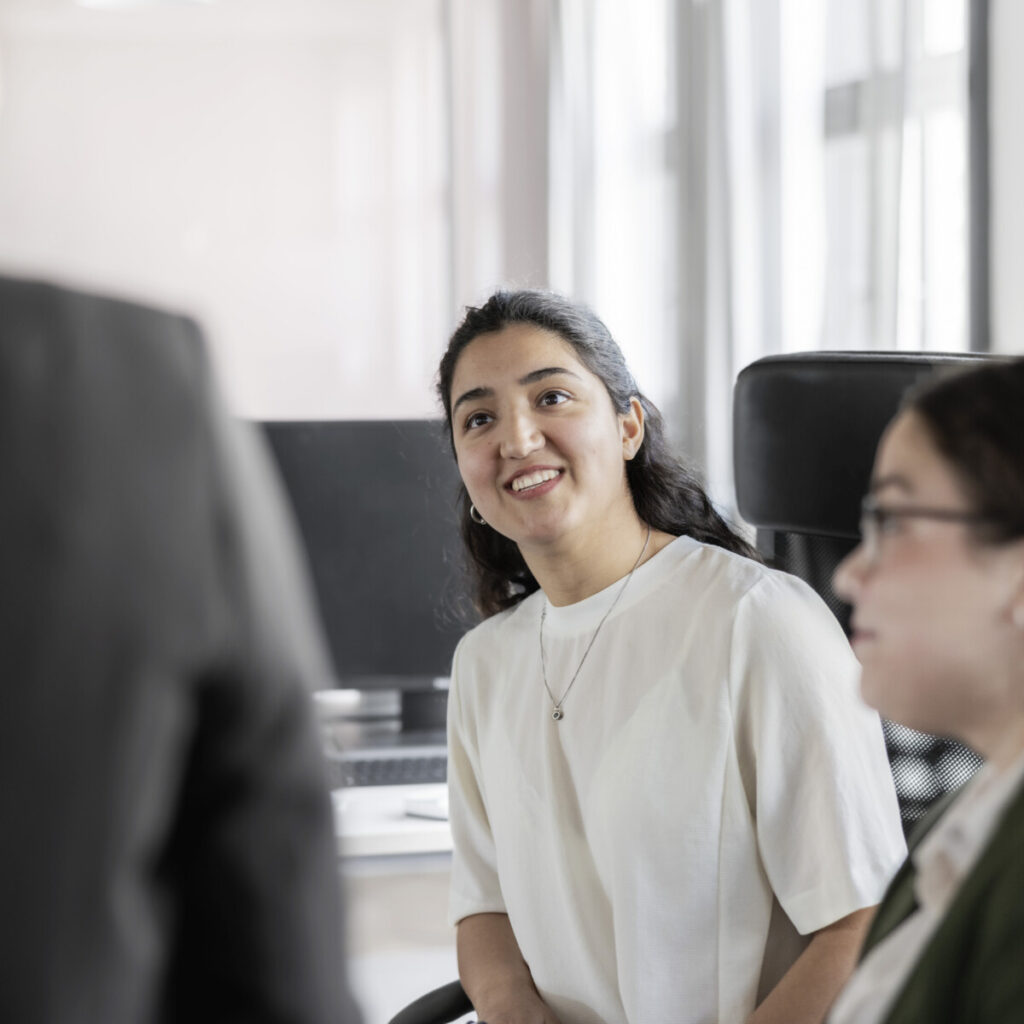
[(943, 861)]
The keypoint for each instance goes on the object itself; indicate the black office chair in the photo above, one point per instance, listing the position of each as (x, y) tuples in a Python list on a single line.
[(805, 432), (441, 1006)]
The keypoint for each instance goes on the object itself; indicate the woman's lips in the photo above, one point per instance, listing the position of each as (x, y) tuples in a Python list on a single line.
[(534, 482), (861, 636)]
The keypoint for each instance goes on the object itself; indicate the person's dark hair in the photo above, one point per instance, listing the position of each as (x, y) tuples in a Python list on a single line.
[(975, 419), (666, 494)]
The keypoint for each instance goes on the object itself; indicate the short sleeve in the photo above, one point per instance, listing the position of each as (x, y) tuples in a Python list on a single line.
[(475, 888), (812, 756)]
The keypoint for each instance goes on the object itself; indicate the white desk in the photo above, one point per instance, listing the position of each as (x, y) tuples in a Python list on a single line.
[(396, 872), (372, 822)]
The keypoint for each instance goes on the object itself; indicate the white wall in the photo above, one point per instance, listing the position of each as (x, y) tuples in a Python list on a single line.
[(1007, 130), (276, 167)]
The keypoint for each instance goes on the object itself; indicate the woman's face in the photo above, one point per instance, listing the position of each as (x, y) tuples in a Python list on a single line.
[(540, 447), (932, 607)]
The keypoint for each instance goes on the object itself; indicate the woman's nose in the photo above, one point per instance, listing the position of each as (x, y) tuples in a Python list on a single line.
[(847, 578), (520, 437)]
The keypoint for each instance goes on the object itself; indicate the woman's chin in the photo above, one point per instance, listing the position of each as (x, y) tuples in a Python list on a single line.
[(539, 533), (876, 689)]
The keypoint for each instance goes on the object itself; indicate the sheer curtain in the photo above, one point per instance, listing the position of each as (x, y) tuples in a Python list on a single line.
[(824, 187), (896, 170), (612, 199), (756, 235), (719, 179), (564, 164)]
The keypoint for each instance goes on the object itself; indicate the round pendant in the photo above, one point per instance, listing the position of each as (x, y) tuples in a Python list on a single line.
[(557, 714)]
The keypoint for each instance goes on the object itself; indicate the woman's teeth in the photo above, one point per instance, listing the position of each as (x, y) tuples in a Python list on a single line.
[(521, 483)]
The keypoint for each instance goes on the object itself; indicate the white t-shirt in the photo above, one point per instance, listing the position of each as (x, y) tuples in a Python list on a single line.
[(715, 782)]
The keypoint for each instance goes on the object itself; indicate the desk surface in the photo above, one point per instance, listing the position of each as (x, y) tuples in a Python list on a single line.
[(371, 821)]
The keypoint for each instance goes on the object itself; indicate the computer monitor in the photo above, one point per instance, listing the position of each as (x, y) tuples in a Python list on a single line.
[(375, 503)]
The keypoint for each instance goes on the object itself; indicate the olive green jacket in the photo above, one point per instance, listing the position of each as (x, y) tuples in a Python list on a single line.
[(972, 970)]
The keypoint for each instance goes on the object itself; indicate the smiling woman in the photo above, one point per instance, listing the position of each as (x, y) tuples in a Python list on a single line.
[(543, 452), (569, 339), (635, 824)]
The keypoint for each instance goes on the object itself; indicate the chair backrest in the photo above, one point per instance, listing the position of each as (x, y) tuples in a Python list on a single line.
[(805, 431)]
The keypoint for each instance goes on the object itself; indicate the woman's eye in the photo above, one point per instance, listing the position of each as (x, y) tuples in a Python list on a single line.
[(477, 419), (553, 398), (889, 523)]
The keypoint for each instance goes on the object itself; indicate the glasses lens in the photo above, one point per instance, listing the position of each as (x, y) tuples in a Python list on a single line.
[(869, 527)]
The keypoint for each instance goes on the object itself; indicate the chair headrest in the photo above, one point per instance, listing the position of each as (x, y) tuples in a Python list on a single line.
[(805, 430)]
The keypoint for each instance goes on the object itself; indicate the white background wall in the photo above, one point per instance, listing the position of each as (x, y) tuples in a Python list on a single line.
[(275, 166)]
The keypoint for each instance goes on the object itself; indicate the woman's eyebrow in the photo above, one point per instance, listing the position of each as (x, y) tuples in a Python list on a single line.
[(471, 395), (531, 378), (548, 371), (897, 480)]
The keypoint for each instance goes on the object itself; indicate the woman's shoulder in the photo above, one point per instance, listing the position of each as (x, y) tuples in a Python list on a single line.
[(755, 603), (503, 627), (736, 576)]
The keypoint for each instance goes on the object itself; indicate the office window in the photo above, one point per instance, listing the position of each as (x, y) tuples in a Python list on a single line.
[(614, 177), (896, 192)]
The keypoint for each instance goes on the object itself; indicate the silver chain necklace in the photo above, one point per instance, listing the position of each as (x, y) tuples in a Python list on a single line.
[(556, 705)]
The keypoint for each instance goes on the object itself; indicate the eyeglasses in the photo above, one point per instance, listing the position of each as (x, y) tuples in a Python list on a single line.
[(877, 521)]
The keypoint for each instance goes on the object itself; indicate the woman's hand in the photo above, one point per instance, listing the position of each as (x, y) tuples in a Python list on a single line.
[(533, 1011), (515, 1007), (494, 974)]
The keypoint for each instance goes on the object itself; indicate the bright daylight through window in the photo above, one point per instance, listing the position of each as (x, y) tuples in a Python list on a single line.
[(896, 174)]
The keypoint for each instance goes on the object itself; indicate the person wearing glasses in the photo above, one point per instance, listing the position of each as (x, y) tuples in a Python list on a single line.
[(937, 588), (667, 801)]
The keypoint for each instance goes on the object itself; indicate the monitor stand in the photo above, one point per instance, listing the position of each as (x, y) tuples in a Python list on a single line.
[(423, 709)]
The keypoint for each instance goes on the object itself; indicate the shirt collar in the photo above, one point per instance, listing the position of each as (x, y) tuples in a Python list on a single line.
[(948, 852)]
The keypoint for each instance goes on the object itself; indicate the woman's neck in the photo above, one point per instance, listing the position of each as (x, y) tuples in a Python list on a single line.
[(573, 569)]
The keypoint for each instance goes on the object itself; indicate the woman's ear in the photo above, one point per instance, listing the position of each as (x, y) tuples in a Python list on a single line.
[(631, 425)]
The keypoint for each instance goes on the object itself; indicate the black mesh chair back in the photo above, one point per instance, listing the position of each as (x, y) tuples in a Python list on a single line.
[(805, 430)]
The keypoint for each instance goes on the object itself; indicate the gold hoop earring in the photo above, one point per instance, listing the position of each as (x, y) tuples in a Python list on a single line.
[(475, 516)]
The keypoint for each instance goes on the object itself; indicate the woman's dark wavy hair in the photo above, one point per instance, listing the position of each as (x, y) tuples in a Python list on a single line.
[(666, 494), (975, 418)]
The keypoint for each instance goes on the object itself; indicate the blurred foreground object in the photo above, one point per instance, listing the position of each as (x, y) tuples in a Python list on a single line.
[(167, 850)]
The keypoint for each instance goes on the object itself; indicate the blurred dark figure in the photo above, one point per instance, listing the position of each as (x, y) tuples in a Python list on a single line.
[(167, 848)]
